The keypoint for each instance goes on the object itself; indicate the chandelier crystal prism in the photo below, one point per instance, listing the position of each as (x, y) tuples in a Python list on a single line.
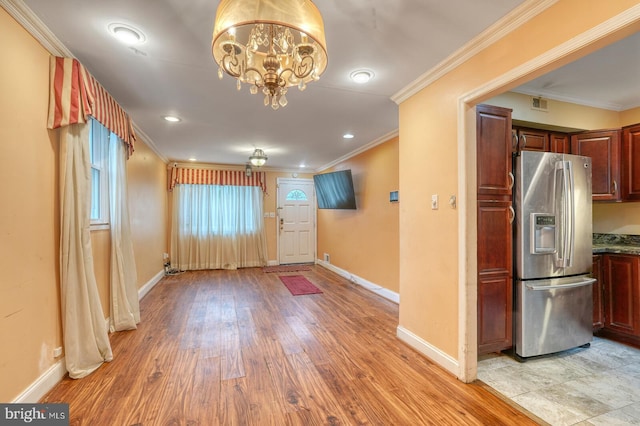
[(270, 44)]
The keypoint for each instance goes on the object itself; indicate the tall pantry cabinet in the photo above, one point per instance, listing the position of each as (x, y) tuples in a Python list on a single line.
[(495, 215)]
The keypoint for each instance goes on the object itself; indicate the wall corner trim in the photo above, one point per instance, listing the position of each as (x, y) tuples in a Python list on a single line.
[(434, 354), (375, 288)]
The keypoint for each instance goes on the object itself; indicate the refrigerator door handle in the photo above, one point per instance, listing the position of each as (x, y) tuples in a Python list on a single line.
[(567, 222), (583, 282), (513, 214)]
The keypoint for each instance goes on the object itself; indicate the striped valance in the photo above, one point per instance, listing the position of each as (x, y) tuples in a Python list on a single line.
[(75, 95), (179, 175)]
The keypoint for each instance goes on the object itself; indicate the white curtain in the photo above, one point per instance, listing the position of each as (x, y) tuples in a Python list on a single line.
[(125, 308), (217, 227), (86, 340)]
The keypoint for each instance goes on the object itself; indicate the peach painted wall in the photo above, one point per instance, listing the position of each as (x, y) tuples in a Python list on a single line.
[(30, 319), (148, 211), (563, 114), (364, 242), (629, 117), (431, 259), (29, 222)]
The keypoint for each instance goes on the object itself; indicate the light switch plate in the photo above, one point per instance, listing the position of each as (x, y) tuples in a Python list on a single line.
[(434, 202)]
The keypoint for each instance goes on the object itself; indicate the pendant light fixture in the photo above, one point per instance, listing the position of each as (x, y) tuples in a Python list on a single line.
[(258, 158), (270, 44)]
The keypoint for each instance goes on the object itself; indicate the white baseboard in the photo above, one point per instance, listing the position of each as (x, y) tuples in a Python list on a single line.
[(434, 354), (43, 384), (273, 263), (375, 288), (57, 371), (142, 291)]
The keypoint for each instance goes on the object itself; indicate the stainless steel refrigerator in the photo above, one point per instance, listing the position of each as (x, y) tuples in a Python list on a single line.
[(553, 255)]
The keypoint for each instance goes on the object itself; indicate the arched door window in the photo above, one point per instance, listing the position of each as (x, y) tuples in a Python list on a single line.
[(296, 195)]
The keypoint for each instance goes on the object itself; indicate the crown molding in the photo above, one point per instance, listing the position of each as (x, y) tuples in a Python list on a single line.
[(568, 48), (363, 148), (25, 17), (140, 134), (514, 19)]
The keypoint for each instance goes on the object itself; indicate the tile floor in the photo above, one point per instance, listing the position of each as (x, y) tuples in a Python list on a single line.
[(599, 385)]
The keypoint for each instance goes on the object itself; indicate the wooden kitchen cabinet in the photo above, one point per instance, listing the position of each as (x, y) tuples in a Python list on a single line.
[(621, 299), (495, 278), (598, 304), (603, 146), (559, 142), (631, 163), (493, 127), (532, 140), (495, 215)]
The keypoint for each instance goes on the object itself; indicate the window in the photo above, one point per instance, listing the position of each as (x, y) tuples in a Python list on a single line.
[(99, 154), (296, 195)]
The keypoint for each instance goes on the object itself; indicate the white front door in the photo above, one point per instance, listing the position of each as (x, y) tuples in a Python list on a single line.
[(296, 221)]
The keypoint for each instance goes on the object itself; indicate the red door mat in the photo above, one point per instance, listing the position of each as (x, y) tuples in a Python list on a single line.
[(299, 285)]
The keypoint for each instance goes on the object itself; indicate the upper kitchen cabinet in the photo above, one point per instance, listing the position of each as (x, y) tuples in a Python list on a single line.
[(528, 139), (493, 127), (532, 139), (560, 143), (603, 146), (631, 163)]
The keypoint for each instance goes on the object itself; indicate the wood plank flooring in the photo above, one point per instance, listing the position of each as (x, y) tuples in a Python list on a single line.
[(236, 348)]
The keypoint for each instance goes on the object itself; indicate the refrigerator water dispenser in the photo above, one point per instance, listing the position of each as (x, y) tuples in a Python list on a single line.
[(543, 233)]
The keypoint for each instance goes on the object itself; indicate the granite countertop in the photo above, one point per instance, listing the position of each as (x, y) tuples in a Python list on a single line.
[(616, 243)]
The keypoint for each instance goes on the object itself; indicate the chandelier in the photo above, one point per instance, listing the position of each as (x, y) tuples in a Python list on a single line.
[(258, 158), (270, 44)]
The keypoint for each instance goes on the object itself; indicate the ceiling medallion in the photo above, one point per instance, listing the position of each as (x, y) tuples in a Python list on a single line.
[(270, 45)]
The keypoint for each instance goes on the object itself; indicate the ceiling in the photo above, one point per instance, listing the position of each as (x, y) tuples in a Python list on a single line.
[(608, 78), (173, 73)]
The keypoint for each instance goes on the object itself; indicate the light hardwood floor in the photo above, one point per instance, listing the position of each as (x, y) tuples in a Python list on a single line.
[(236, 348)]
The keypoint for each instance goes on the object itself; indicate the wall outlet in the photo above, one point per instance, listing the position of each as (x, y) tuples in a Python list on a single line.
[(57, 352), (165, 256), (327, 258)]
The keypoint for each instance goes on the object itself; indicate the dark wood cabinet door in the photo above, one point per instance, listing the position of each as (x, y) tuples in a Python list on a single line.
[(631, 163), (494, 313), (493, 127), (533, 140), (495, 277), (598, 305), (622, 294), (604, 149), (560, 142)]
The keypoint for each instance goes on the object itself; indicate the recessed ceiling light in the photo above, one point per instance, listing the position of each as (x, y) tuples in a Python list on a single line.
[(127, 34), (302, 166), (348, 136), (361, 76), (192, 159), (172, 118)]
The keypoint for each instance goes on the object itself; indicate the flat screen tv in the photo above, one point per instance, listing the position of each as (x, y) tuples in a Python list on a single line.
[(335, 190)]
